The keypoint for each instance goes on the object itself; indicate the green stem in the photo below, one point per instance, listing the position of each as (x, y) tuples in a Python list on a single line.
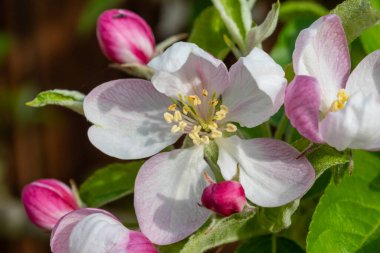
[(215, 169), (265, 129), (281, 127)]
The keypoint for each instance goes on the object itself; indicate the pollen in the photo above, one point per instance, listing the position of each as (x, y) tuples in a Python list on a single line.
[(172, 107), (204, 92), (185, 110), (168, 117), (177, 116), (194, 100), (175, 129), (216, 134), (231, 128), (340, 102), (213, 102), (182, 125)]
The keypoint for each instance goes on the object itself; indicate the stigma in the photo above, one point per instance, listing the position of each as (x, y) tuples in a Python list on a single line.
[(199, 117), (341, 100)]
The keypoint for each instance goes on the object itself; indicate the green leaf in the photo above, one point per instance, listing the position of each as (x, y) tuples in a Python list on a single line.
[(290, 10), (5, 45), (371, 39), (208, 31), (270, 243), (347, 218), (261, 32), (356, 16), (109, 184), (223, 230), (237, 18), (67, 98)]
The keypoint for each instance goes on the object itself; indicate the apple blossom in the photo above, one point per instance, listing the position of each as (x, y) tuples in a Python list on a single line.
[(90, 230), (46, 201), (192, 93), (125, 37), (324, 102)]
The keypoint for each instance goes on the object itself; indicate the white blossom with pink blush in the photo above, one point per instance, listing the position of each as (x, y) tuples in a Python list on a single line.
[(46, 201), (192, 93), (92, 230), (125, 37), (324, 102)]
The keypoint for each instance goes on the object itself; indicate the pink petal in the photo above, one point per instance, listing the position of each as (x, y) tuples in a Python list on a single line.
[(270, 172), (128, 119), (168, 189), (302, 102), (139, 243), (321, 52)]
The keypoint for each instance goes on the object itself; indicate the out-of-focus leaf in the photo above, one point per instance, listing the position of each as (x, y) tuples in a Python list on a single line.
[(356, 16), (208, 31), (5, 45), (109, 183), (347, 218), (357, 52), (269, 243), (91, 11), (67, 98), (224, 230), (371, 39), (301, 9), (261, 32), (376, 4)]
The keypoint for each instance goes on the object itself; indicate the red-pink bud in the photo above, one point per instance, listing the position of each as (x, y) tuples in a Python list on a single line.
[(125, 37), (46, 201), (224, 198)]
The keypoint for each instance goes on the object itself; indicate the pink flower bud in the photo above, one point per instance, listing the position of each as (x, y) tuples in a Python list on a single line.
[(224, 198), (46, 201), (125, 37)]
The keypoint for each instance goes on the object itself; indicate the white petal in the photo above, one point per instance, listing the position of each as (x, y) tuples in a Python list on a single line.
[(98, 233), (356, 126), (269, 171), (168, 189), (128, 119), (366, 76), (186, 69), (257, 89)]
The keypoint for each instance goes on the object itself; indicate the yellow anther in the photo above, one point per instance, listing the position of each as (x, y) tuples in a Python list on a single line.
[(172, 107), (168, 117), (204, 92), (196, 129), (224, 108), (219, 115), (185, 110), (182, 125), (175, 129), (197, 141), (216, 134), (340, 102), (177, 116), (342, 96), (231, 128), (212, 125), (213, 102), (205, 139), (194, 136), (194, 99)]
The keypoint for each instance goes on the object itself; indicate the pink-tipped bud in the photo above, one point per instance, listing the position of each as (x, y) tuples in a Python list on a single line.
[(224, 198), (46, 201), (125, 37)]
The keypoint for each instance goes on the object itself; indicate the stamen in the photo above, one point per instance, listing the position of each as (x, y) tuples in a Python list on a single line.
[(224, 108), (196, 129), (205, 139), (185, 110), (340, 102), (212, 125), (231, 128), (168, 117), (175, 129), (204, 92), (216, 134), (182, 125), (219, 115), (213, 102), (194, 100), (177, 116), (172, 107)]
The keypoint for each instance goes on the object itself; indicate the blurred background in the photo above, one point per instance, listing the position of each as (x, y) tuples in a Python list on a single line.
[(49, 44)]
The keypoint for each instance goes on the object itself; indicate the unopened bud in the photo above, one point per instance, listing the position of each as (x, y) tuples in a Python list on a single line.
[(224, 198)]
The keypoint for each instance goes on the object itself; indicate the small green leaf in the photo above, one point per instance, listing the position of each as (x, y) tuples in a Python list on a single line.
[(347, 218), (292, 9), (109, 184), (211, 153), (208, 32), (371, 39), (67, 98), (223, 230), (269, 243), (356, 16)]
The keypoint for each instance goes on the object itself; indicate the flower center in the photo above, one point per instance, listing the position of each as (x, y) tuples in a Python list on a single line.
[(340, 101), (198, 117)]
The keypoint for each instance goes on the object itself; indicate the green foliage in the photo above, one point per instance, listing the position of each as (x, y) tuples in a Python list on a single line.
[(301, 9), (347, 218), (5, 45), (221, 231), (208, 32), (270, 243), (109, 183), (356, 16), (67, 98), (371, 39)]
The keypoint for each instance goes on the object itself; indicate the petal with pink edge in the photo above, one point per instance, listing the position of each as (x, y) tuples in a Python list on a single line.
[(356, 126), (366, 76), (186, 69), (269, 171), (302, 101), (321, 51), (257, 89), (128, 119), (168, 189)]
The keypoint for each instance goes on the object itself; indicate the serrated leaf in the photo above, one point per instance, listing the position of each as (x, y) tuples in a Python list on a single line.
[(66, 98), (266, 243), (292, 9), (109, 183), (236, 16), (208, 32), (261, 32), (225, 230), (347, 218), (356, 16)]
